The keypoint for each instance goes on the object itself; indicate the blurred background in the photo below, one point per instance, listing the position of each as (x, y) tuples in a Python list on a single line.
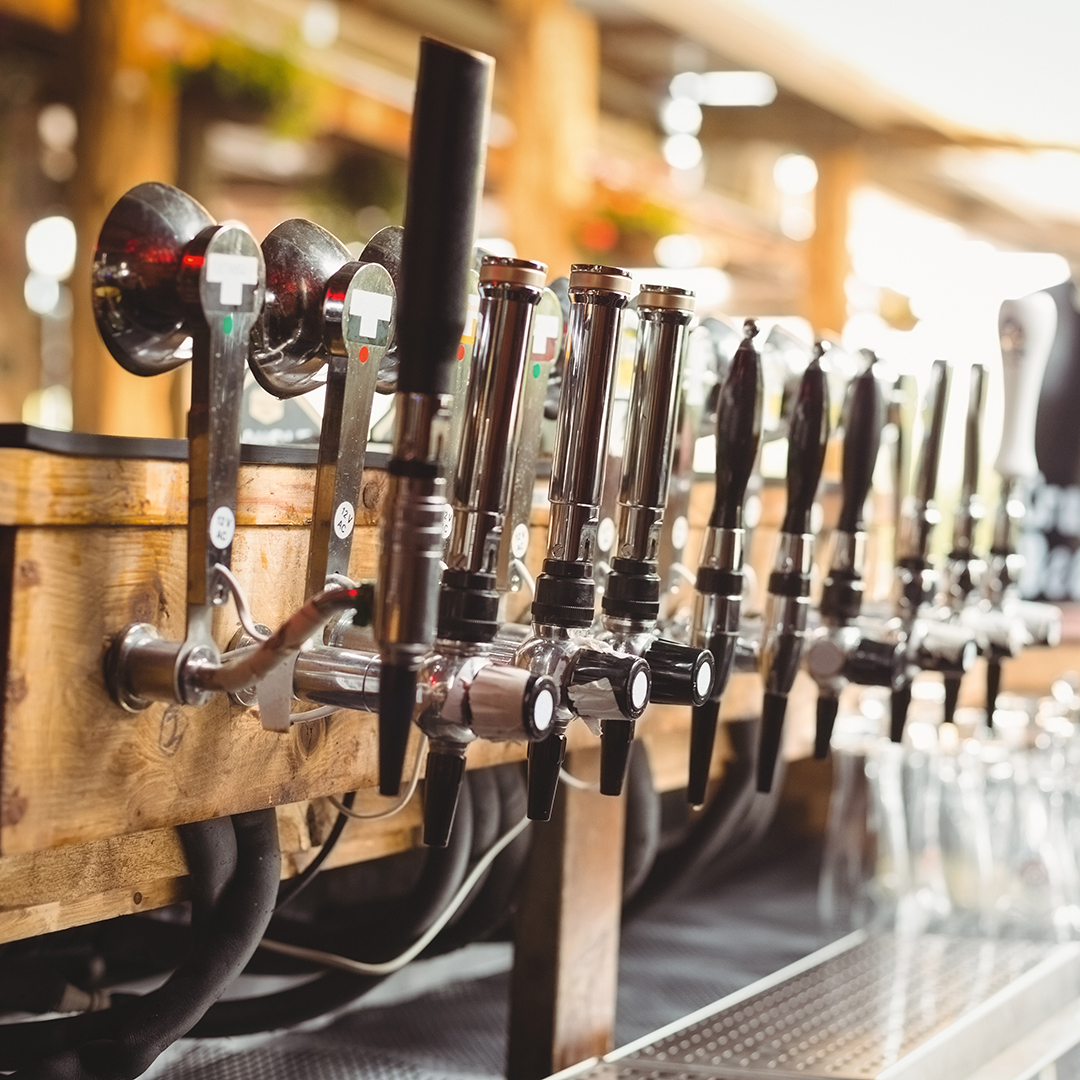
[(883, 174)]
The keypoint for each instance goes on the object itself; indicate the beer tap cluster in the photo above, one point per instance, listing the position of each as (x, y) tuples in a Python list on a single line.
[(424, 643)]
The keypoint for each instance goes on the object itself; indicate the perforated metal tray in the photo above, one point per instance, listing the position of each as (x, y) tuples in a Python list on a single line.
[(869, 1007)]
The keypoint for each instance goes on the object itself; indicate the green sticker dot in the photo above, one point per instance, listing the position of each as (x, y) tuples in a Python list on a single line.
[(226, 324), (536, 371)]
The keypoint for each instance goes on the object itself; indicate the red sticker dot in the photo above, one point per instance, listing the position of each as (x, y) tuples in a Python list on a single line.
[(363, 354), (461, 352)]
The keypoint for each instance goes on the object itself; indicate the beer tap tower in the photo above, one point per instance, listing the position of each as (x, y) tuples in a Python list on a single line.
[(445, 170), (784, 622), (597, 683), (681, 674), (719, 582)]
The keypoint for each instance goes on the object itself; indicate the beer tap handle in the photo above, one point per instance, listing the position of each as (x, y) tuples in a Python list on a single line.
[(862, 441), (789, 584), (738, 431), (445, 172), (169, 285), (718, 596)]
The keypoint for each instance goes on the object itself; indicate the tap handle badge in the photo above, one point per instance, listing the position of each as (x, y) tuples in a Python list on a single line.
[(808, 434), (446, 160), (863, 421), (738, 431)]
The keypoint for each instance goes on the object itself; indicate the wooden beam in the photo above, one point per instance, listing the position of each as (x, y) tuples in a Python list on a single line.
[(566, 939), (554, 99), (127, 135), (828, 261)]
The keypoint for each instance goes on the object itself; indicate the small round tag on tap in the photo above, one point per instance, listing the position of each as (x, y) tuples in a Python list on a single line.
[(344, 520), (222, 527), (605, 535), (519, 540)]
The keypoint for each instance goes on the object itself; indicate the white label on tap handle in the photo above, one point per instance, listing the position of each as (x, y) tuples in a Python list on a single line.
[(232, 273)]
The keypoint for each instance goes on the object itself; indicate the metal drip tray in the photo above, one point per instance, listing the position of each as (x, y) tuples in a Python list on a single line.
[(867, 1008)]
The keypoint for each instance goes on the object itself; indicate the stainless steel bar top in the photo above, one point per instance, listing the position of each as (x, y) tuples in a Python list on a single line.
[(868, 1007)]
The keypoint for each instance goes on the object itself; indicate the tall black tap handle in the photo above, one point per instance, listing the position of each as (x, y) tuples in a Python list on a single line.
[(808, 434), (933, 426), (862, 439), (973, 431), (446, 160), (738, 431)]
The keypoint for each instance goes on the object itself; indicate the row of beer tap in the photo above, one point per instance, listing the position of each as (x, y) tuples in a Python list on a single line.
[(466, 342)]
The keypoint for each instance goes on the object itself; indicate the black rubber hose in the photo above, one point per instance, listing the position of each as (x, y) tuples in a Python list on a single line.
[(210, 853), (444, 870), (294, 888), (641, 844), (125, 1041), (673, 870)]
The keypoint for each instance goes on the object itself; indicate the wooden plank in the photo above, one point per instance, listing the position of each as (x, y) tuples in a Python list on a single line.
[(39, 488), (45, 891), (566, 939)]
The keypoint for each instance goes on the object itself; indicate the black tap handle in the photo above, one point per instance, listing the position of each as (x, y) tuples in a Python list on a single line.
[(446, 160), (933, 426), (738, 431), (808, 434), (863, 422), (545, 761)]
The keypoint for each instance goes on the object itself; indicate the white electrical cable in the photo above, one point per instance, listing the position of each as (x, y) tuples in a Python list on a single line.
[(382, 815), (313, 714), (574, 782), (388, 967), (243, 610)]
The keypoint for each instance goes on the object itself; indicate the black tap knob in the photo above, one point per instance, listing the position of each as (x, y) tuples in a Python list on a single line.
[(864, 419), (719, 583), (738, 431), (808, 435), (789, 583)]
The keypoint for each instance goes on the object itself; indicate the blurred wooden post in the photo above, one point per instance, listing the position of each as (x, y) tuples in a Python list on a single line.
[(828, 261), (127, 134), (566, 942), (554, 103)]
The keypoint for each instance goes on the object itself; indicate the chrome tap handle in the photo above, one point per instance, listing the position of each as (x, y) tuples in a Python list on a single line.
[(445, 172), (719, 583), (784, 622), (468, 600), (970, 511), (169, 285), (327, 321), (564, 591)]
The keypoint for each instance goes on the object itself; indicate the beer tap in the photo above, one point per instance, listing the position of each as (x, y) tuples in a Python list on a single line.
[(465, 694), (930, 642), (719, 582), (681, 674), (171, 285), (784, 621), (1026, 329), (445, 170), (839, 650), (327, 320), (595, 681)]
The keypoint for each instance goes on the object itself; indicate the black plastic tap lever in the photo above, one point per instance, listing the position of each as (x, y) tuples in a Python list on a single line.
[(789, 584), (718, 596)]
